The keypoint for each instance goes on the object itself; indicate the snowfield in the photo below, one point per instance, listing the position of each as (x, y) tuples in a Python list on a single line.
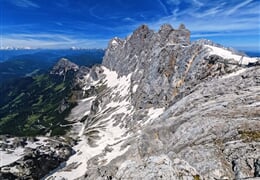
[(111, 136), (229, 55), (11, 155)]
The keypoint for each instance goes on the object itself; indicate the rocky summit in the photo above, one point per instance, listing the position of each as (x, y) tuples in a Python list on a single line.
[(158, 107)]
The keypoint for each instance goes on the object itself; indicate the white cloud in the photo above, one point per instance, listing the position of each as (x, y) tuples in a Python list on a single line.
[(24, 3), (50, 41), (214, 18), (209, 12), (197, 3), (163, 6), (238, 6)]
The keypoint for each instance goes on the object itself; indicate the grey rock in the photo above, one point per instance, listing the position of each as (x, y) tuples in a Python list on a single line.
[(205, 121), (208, 127), (63, 66), (38, 162)]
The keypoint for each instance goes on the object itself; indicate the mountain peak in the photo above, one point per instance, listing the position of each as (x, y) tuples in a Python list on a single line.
[(181, 109), (182, 26), (124, 55), (166, 27), (140, 34), (64, 65), (142, 28)]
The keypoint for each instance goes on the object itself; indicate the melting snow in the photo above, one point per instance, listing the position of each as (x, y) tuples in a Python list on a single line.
[(115, 153), (234, 73), (154, 113), (77, 113), (114, 42), (111, 136), (135, 88), (9, 156), (82, 109), (113, 81), (229, 55)]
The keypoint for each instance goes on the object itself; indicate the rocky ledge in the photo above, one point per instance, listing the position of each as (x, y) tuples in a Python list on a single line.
[(162, 107), (32, 158)]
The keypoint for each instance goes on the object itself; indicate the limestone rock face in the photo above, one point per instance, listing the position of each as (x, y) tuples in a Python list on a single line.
[(39, 157), (64, 65), (204, 122), (161, 107)]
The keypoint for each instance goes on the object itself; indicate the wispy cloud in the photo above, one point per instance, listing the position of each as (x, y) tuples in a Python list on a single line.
[(238, 6), (198, 3), (163, 6), (51, 41), (24, 3), (92, 24), (128, 19), (210, 12), (216, 20), (212, 17)]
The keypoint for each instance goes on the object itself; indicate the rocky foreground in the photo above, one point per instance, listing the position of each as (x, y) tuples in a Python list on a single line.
[(159, 107)]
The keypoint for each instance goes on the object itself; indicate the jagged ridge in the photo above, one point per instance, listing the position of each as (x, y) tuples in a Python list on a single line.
[(162, 107)]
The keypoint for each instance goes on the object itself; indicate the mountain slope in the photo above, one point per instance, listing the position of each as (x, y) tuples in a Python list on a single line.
[(28, 64), (161, 107), (36, 105), (168, 109)]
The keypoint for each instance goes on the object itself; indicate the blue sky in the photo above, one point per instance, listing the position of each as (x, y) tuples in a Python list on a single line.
[(92, 23)]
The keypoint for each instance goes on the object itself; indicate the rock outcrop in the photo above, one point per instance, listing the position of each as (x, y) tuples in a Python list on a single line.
[(64, 65), (161, 107), (37, 157)]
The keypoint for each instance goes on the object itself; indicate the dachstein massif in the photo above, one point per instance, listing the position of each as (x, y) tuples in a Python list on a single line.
[(158, 107)]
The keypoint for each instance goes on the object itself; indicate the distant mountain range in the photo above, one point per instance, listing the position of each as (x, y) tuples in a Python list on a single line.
[(6, 54), (19, 63)]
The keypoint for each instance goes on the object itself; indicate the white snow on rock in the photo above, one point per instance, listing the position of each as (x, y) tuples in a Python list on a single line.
[(229, 55), (114, 42), (154, 113), (11, 155), (77, 113), (82, 109), (89, 81), (113, 81), (234, 73), (111, 137), (135, 88)]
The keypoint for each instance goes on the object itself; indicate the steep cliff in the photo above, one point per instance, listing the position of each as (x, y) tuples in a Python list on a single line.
[(161, 107)]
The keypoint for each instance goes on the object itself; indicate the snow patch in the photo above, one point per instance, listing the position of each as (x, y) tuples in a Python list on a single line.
[(114, 42), (84, 152), (89, 82), (112, 79), (229, 55), (111, 136), (77, 113), (117, 151), (11, 155), (135, 88), (234, 74), (153, 114)]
